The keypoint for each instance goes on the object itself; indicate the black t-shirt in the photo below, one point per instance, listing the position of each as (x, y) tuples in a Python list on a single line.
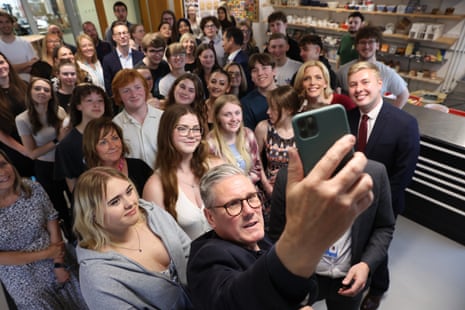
[(162, 70), (63, 100), (138, 172), (69, 158)]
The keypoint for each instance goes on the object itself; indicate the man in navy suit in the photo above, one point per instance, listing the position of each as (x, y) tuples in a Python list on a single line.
[(232, 42), (122, 57), (392, 138), (233, 38)]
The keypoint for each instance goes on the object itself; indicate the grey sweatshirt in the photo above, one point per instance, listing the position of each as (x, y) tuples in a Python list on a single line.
[(110, 280)]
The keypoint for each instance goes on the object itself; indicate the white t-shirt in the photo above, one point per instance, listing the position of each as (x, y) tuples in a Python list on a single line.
[(285, 73), (95, 74), (43, 136), (19, 51), (165, 84)]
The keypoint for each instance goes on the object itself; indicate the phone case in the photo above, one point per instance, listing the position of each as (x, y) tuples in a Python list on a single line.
[(315, 131)]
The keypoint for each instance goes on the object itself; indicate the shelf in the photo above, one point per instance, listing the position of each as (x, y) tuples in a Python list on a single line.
[(442, 40), (341, 10), (412, 58), (436, 81)]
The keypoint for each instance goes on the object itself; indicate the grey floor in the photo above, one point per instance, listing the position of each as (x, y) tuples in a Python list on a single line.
[(427, 271)]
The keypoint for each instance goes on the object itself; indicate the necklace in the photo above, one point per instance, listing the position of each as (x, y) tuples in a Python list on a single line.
[(132, 249), (121, 165)]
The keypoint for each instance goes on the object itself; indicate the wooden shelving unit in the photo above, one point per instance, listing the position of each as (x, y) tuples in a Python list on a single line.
[(443, 42), (342, 10)]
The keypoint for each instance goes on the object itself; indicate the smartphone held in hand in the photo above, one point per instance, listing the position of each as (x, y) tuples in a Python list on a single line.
[(317, 130)]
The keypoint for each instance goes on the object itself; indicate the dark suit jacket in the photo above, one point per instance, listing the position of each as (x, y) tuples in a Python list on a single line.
[(394, 142), (372, 230), (242, 58), (111, 66), (225, 275)]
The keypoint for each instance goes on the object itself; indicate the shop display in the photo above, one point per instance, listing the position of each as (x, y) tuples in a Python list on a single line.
[(414, 42)]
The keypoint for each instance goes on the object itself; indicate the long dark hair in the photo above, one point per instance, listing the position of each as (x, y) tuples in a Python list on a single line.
[(52, 108), (169, 158), (14, 95), (198, 104)]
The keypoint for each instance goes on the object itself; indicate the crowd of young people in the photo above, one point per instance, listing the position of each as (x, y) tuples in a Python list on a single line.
[(153, 114)]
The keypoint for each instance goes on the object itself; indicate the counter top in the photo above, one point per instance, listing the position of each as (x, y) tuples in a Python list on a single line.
[(438, 125)]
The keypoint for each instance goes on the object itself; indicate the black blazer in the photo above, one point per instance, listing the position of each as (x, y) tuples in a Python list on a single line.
[(111, 65), (242, 58), (371, 232)]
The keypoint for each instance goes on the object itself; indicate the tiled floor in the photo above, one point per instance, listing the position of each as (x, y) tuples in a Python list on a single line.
[(427, 271)]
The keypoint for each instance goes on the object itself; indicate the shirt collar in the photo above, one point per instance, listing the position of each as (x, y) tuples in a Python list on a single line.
[(233, 55)]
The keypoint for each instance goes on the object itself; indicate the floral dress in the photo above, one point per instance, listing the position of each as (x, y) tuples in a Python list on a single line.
[(23, 227)]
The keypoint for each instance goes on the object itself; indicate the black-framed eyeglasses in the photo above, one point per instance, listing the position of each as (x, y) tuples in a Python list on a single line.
[(184, 131), (234, 207), (367, 42)]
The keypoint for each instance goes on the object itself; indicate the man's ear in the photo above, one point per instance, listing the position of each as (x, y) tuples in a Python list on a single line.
[(210, 217)]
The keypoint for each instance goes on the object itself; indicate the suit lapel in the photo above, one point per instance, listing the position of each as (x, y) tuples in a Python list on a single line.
[(379, 129), (354, 118)]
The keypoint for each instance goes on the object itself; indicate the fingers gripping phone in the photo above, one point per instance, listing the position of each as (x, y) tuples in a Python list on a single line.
[(315, 131)]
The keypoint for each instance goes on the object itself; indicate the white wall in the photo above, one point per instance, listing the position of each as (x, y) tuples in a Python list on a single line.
[(133, 10), (88, 12)]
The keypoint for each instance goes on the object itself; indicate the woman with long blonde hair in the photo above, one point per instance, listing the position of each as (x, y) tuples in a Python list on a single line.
[(86, 58), (231, 140), (131, 253)]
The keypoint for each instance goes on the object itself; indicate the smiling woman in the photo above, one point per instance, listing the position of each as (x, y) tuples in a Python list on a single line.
[(41, 129), (103, 145), (86, 57), (131, 253), (181, 162), (230, 140)]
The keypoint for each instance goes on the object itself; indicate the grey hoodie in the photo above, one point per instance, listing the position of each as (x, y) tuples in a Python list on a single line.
[(112, 281)]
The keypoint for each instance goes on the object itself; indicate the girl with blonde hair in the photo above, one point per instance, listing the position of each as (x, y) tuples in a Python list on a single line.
[(231, 140)]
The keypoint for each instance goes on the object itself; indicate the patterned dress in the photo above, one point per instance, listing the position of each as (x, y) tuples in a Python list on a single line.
[(23, 227), (276, 152)]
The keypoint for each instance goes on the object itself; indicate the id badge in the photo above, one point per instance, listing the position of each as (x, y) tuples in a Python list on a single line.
[(331, 252)]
